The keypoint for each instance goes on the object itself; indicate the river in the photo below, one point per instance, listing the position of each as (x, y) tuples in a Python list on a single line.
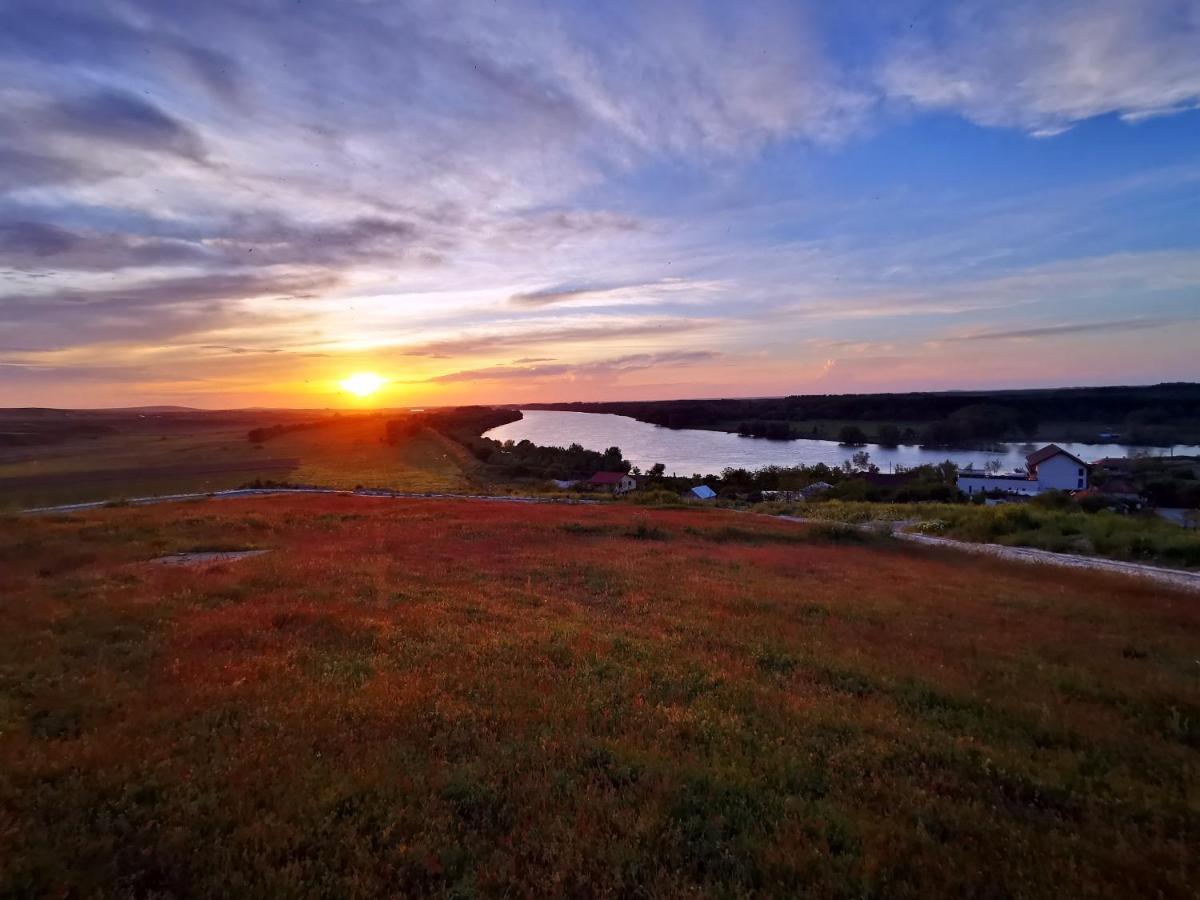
[(689, 451)]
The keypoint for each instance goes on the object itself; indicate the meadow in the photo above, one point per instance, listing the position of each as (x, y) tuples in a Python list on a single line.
[(454, 698), (209, 455), (1137, 538)]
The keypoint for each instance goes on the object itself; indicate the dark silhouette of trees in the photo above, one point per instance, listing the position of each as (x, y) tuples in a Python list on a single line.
[(852, 436)]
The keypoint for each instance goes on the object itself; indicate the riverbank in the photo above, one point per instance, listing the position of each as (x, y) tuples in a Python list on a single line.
[(686, 452)]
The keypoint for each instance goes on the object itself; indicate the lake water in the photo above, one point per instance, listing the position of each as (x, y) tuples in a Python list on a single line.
[(688, 452)]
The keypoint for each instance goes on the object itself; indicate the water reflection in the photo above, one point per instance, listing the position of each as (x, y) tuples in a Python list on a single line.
[(687, 452)]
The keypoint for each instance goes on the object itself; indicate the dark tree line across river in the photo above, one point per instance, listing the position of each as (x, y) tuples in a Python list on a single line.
[(1157, 414)]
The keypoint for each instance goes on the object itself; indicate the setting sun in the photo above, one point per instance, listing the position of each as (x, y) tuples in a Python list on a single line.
[(362, 384)]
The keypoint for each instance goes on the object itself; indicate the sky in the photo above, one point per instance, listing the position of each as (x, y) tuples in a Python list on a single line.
[(242, 202)]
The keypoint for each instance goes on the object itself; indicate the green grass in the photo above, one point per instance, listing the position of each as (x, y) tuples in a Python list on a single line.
[(1139, 538)]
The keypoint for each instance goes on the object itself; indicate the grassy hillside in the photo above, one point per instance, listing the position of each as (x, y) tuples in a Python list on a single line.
[(207, 454), (455, 698), (1135, 538)]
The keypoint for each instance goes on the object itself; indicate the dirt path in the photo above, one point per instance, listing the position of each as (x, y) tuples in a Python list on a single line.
[(1175, 577)]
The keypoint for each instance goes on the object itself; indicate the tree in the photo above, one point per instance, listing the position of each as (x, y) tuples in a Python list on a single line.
[(657, 472), (851, 436), (889, 436), (947, 471), (992, 466), (861, 460)]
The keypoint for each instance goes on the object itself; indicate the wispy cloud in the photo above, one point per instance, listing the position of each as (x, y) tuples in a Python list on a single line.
[(605, 368), (1071, 328), (594, 332), (610, 294), (243, 184), (1045, 66)]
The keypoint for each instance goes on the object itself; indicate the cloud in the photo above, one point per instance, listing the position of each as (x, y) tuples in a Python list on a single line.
[(244, 241), (529, 336), (125, 119), (241, 350), (107, 38), (1071, 328), (165, 309), (29, 168), (42, 244), (1044, 66), (600, 369), (438, 179), (587, 294)]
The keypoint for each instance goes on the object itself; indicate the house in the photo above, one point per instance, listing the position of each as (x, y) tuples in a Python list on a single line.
[(700, 492), (1122, 464), (1050, 469), (1116, 494), (612, 482), (1055, 469), (977, 481)]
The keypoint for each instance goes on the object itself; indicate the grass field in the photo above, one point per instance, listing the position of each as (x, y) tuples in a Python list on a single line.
[(215, 458), (456, 699), (1142, 538)]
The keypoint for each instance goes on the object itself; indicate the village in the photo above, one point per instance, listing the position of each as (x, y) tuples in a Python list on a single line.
[(1168, 488)]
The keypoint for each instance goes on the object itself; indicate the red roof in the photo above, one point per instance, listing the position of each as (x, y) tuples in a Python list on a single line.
[(606, 478), (1049, 452)]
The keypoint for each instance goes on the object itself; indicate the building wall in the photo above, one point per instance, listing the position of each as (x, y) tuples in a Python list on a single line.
[(1061, 473), (977, 484)]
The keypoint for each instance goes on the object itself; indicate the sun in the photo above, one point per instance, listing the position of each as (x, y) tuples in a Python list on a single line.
[(362, 384)]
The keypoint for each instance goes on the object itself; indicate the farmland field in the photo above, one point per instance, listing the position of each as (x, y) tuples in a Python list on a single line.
[(455, 698), (207, 454)]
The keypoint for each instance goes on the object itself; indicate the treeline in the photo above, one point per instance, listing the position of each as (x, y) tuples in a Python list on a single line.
[(1164, 481), (526, 459), (261, 436), (1163, 413), (856, 479), (464, 424), (265, 433), (467, 425)]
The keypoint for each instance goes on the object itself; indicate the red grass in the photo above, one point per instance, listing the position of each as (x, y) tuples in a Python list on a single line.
[(433, 697)]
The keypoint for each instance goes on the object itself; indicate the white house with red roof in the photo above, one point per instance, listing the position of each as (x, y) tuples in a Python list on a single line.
[(1050, 469), (613, 482)]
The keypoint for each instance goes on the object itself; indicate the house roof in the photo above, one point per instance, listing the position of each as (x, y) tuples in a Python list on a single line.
[(703, 491), (1049, 452), (606, 478)]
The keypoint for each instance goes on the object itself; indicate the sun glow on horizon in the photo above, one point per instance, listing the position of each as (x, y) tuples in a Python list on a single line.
[(362, 384)]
